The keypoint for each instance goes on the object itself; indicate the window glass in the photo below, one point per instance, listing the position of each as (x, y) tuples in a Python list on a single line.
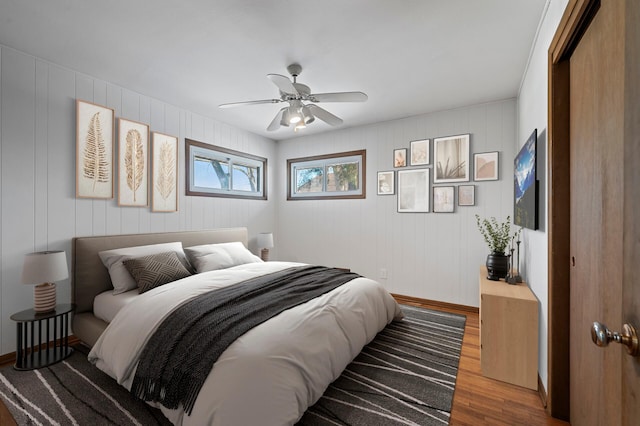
[(309, 179), (331, 176), (214, 171)]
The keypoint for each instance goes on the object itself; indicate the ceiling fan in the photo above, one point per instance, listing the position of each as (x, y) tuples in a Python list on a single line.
[(299, 113)]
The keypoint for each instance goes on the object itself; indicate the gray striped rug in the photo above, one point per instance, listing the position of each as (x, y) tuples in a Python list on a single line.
[(405, 376)]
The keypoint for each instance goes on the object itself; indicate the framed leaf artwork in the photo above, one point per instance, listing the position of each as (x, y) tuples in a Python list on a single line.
[(94, 150), (133, 167), (164, 173), (451, 159)]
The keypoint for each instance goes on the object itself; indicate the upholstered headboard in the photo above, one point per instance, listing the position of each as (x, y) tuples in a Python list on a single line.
[(89, 276)]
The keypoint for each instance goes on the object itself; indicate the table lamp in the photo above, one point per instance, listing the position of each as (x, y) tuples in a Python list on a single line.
[(43, 268), (265, 242)]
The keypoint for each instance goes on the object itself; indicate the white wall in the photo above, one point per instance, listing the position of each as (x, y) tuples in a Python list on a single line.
[(532, 113), (38, 207), (428, 255)]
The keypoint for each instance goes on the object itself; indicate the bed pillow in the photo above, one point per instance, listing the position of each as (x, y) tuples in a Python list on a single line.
[(121, 279), (209, 257), (155, 270)]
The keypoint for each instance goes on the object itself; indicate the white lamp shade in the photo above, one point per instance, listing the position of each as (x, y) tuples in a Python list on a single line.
[(265, 240), (44, 267)]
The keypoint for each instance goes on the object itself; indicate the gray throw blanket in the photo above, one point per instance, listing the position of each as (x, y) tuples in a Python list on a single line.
[(180, 354)]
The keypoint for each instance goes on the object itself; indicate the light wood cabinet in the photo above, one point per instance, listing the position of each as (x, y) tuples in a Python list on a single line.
[(508, 332)]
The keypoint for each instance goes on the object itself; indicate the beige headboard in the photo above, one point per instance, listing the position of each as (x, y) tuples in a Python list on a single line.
[(89, 276)]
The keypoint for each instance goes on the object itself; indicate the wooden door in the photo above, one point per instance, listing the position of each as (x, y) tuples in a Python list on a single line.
[(604, 233)]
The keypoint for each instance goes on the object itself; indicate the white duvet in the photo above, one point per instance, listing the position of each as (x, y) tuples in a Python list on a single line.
[(274, 372)]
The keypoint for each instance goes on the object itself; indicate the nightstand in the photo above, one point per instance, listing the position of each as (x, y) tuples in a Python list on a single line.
[(32, 351)]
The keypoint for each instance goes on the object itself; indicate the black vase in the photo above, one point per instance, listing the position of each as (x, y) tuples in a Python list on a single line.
[(497, 266)]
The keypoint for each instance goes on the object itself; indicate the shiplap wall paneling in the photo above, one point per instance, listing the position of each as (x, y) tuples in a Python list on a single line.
[(429, 255), (18, 178), (38, 208)]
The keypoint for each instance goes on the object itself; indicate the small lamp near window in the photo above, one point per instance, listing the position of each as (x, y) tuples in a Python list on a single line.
[(265, 242), (43, 268)]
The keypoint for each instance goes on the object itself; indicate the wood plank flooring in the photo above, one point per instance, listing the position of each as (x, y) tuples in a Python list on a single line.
[(477, 400)]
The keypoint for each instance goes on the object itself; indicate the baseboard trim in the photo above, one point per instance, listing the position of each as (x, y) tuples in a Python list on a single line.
[(542, 392), (11, 357), (417, 300)]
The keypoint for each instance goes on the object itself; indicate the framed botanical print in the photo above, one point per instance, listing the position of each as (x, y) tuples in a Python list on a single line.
[(94, 150), (133, 163), (164, 173), (451, 159), (386, 183), (420, 152)]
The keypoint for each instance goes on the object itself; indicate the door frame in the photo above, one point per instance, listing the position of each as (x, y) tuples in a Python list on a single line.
[(575, 21)]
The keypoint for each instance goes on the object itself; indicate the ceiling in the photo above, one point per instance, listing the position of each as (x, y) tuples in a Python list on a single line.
[(409, 56)]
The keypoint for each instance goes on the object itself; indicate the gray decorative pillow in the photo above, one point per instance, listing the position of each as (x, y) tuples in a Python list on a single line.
[(155, 270)]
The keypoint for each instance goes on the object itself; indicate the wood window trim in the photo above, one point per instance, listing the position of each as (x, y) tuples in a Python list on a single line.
[(190, 142), (363, 177)]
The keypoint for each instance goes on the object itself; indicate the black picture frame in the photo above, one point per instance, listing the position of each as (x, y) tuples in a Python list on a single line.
[(525, 184)]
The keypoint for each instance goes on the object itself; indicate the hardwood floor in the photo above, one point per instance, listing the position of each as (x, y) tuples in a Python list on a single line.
[(477, 400)]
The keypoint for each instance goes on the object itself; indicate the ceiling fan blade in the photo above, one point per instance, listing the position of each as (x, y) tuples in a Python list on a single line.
[(284, 84), (339, 97), (275, 124), (263, 101), (325, 115)]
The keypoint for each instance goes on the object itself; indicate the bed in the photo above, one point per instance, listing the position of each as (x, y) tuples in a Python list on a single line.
[(269, 375)]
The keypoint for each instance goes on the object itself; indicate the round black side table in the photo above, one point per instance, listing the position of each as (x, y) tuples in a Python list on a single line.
[(34, 352)]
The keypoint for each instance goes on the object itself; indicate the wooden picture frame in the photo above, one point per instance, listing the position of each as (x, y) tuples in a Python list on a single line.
[(413, 191), (164, 173), (485, 166), (133, 163), (467, 195), (451, 159), (444, 199), (400, 157), (419, 152), (94, 150), (386, 183)]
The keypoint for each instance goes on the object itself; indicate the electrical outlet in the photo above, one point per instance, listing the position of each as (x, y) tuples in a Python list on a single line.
[(383, 273)]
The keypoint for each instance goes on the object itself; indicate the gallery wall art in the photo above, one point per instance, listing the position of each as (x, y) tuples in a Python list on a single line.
[(485, 166), (94, 150), (451, 159), (386, 183), (413, 191)]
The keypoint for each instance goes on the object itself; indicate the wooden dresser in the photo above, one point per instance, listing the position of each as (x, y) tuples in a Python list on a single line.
[(508, 332)]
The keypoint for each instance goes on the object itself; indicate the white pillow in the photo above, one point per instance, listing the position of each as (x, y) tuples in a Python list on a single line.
[(121, 279), (209, 257)]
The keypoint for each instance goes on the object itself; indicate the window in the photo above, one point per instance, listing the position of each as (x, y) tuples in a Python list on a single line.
[(332, 176), (213, 171)]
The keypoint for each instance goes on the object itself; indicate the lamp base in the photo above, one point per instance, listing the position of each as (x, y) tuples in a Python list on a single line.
[(264, 254), (44, 298)]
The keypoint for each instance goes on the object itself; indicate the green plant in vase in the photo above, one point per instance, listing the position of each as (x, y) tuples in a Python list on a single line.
[(497, 236)]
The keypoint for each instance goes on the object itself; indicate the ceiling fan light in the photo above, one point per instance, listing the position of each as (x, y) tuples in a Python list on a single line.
[(301, 125), (306, 115)]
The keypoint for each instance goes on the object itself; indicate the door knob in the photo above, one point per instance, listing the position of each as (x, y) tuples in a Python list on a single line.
[(601, 336)]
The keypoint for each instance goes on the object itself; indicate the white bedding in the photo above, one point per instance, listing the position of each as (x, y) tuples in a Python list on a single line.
[(274, 372), (106, 305)]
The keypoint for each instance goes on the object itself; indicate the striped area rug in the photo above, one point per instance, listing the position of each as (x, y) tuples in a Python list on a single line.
[(406, 376)]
